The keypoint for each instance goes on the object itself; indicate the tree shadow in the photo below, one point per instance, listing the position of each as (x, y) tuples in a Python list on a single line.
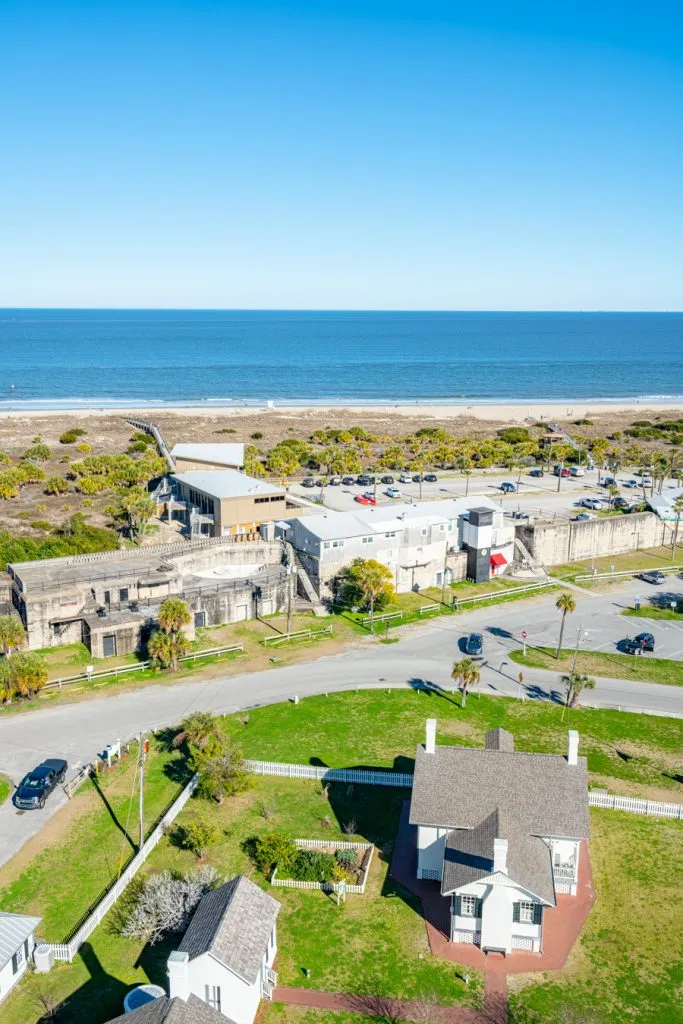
[(504, 634), (535, 692), (178, 771), (674, 778), (433, 690)]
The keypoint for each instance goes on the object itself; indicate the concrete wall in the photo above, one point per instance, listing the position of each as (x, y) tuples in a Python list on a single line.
[(559, 541), (431, 843)]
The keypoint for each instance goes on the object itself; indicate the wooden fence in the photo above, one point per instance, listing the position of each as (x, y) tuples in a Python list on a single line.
[(86, 677), (301, 634)]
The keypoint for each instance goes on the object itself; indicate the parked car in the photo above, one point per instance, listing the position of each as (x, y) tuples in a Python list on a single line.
[(348, 481), (392, 492), (474, 645), (387, 479), (630, 483), (405, 478), (308, 481), (582, 516), (562, 471), (508, 488), (642, 642), (334, 481), (365, 499), (430, 478), (365, 480), (35, 788), (656, 577), (418, 478), (607, 481), (536, 472), (622, 503), (577, 471), (590, 503)]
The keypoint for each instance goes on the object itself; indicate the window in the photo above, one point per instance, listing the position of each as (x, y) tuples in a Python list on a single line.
[(277, 497), (390, 535), (526, 912), (367, 540), (107, 597), (442, 527), (212, 996), (337, 543), (17, 960), (424, 531), (326, 544), (260, 501), (468, 906), (123, 594)]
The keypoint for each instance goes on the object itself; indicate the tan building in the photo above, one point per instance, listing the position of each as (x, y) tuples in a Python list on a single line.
[(225, 502), (188, 457)]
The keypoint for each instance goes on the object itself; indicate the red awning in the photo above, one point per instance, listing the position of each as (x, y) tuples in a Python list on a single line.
[(498, 559)]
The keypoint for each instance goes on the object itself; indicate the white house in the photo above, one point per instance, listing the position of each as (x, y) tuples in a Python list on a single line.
[(16, 948), (501, 831), (227, 953), (418, 542), (172, 1011)]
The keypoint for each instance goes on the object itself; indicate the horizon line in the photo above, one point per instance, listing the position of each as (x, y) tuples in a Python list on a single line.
[(331, 309)]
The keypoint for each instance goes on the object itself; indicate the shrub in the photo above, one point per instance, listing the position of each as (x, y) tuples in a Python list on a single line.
[(514, 435), (72, 435), (143, 438), (226, 430), (198, 836), (312, 866), (41, 452), (30, 472), (56, 485), (10, 483), (347, 857), (84, 447), (93, 484), (4, 459), (22, 675), (163, 903), (41, 524), (136, 446), (274, 849), (256, 436)]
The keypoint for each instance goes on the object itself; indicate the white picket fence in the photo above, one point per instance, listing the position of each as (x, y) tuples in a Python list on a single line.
[(306, 771), (319, 844), (68, 950), (634, 804)]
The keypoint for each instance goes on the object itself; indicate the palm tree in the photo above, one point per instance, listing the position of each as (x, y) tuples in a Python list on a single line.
[(575, 683), (196, 730), (12, 634), (173, 615), (166, 649), (678, 510), (613, 492), (466, 673), (565, 604)]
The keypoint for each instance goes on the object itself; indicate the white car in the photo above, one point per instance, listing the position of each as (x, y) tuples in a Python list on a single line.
[(590, 503), (405, 478), (392, 492), (577, 471)]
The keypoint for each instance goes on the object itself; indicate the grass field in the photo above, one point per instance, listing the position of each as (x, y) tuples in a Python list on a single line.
[(5, 788), (626, 966), (650, 612), (599, 663), (630, 561)]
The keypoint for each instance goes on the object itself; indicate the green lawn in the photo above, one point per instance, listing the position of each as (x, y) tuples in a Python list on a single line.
[(650, 612), (5, 788), (630, 561), (626, 966), (281, 1013), (599, 663)]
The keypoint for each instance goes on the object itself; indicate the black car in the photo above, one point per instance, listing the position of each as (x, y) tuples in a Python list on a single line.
[(656, 577), (308, 482), (535, 472), (430, 478), (34, 788), (642, 642), (348, 481), (387, 480), (417, 478), (474, 645), (364, 480)]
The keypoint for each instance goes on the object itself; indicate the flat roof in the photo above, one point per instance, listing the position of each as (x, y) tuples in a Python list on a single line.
[(224, 454), (331, 525), (225, 483)]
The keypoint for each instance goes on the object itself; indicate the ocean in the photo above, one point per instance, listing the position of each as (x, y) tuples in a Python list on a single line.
[(70, 358)]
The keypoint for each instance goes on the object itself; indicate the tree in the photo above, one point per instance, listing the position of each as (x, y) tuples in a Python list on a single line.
[(368, 583), (613, 492), (575, 683), (678, 511), (163, 903), (198, 836), (12, 633), (221, 770), (196, 729), (173, 615), (135, 508), (273, 849), (565, 604), (466, 673), (166, 649), (22, 675)]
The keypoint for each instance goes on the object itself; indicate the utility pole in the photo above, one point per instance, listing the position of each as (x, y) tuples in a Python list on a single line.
[(443, 579), (559, 475), (579, 634), (142, 751)]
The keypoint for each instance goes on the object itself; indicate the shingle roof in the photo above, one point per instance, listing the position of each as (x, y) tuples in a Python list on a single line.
[(173, 1011), (499, 739), (14, 930), (233, 923), (458, 787), (468, 856)]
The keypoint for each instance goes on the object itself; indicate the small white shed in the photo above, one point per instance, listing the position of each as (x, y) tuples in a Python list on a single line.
[(16, 948)]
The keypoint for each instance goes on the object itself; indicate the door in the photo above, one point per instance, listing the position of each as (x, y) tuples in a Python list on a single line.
[(241, 612), (109, 645), (199, 620)]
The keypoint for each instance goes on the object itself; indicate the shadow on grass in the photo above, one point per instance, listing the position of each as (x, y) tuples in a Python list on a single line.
[(112, 813), (433, 690), (99, 999)]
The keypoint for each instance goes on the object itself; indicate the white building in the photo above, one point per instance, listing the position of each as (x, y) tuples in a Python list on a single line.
[(420, 542), (227, 953), (16, 948), (207, 456), (500, 831)]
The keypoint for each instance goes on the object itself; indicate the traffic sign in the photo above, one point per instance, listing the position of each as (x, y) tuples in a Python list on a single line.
[(524, 634)]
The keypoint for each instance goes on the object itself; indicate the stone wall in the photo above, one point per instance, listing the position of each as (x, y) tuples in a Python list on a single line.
[(560, 541)]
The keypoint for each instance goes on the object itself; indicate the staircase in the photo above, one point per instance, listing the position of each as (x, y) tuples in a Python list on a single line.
[(523, 565), (311, 593)]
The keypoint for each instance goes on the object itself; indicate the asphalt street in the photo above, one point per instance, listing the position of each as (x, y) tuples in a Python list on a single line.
[(425, 654)]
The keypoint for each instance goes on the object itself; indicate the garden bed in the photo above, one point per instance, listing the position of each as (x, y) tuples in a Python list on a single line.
[(355, 870)]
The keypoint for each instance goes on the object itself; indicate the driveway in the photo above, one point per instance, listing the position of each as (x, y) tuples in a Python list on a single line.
[(426, 653)]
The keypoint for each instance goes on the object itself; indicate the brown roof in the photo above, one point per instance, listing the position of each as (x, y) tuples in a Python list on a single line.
[(458, 787), (173, 1011)]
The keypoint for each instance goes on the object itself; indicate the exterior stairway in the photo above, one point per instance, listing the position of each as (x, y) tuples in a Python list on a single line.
[(305, 580)]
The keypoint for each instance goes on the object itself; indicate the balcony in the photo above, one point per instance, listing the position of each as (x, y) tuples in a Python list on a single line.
[(564, 873)]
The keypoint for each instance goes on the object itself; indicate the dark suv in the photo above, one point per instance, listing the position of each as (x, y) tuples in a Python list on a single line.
[(474, 645), (642, 642), (34, 788)]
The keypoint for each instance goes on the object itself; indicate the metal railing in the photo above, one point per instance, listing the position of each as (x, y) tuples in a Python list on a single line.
[(385, 617), (495, 594), (665, 569)]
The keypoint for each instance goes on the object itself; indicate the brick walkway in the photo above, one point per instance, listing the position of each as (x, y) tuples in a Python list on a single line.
[(375, 1006)]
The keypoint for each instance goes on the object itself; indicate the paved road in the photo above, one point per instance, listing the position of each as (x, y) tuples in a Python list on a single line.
[(426, 653)]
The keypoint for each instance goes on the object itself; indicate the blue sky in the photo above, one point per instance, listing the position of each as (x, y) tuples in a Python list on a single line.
[(478, 155)]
